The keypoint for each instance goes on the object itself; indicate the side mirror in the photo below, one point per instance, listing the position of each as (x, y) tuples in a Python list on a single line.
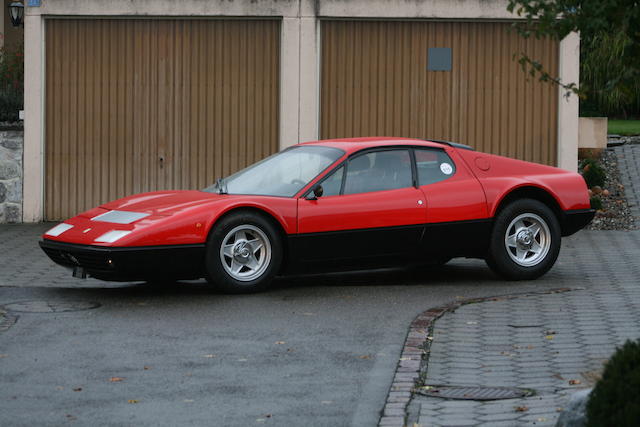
[(315, 193)]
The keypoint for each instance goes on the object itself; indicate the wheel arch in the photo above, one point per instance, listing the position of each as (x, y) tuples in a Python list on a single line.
[(263, 213), (535, 193)]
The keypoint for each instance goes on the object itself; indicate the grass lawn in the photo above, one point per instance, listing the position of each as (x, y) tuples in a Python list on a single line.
[(624, 127)]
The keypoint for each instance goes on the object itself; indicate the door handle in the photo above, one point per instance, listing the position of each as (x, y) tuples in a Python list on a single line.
[(161, 162)]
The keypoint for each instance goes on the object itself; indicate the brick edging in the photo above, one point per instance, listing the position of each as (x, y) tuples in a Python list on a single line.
[(393, 413)]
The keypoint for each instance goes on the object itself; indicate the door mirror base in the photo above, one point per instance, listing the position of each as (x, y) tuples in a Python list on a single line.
[(315, 193)]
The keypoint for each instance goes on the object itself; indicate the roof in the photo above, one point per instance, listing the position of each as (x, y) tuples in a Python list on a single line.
[(351, 145)]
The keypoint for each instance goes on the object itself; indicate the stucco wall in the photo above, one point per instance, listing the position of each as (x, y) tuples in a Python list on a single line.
[(11, 142)]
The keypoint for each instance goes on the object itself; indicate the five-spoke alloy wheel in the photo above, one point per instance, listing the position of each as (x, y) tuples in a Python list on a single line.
[(525, 241), (244, 252)]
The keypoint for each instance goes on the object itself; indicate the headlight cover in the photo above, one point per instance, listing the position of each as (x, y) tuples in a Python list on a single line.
[(59, 229), (112, 236)]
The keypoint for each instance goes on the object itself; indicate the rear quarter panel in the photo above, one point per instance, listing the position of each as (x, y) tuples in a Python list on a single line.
[(500, 176)]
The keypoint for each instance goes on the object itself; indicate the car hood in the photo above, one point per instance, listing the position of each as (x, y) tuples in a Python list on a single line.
[(162, 203)]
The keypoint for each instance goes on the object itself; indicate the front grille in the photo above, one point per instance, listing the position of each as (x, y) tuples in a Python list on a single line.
[(57, 257), (93, 261), (88, 260)]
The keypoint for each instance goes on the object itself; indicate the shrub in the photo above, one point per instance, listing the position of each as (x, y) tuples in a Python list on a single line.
[(596, 203), (615, 400), (592, 172), (11, 82)]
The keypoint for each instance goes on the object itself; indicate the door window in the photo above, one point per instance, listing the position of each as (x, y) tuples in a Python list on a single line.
[(331, 186), (378, 171), (433, 166)]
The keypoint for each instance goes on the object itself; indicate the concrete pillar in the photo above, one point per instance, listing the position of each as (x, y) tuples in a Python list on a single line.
[(289, 82), (299, 84), (568, 108), (309, 79), (34, 118)]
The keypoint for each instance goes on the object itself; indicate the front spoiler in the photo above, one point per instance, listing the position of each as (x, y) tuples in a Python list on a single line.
[(575, 220), (123, 264)]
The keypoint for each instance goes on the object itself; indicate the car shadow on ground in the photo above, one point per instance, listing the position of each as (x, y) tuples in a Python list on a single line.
[(457, 273)]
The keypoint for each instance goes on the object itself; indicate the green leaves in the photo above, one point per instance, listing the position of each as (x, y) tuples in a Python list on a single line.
[(610, 33), (11, 82)]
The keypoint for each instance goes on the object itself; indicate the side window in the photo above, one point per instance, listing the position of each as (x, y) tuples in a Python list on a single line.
[(433, 166), (378, 171), (331, 186)]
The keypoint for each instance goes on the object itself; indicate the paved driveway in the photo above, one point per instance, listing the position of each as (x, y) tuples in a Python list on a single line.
[(312, 351)]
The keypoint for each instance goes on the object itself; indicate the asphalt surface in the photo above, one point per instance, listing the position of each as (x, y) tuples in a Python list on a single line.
[(312, 351)]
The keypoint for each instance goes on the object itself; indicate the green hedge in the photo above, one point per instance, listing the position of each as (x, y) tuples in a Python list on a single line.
[(11, 82), (615, 400)]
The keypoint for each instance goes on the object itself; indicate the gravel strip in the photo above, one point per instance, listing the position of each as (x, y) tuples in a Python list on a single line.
[(615, 213)]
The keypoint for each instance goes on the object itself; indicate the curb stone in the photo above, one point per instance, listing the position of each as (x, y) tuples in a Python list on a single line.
[(415, 354)]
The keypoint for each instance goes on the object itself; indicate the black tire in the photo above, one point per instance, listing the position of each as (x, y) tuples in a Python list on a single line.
[(219, 276), (499, 258)]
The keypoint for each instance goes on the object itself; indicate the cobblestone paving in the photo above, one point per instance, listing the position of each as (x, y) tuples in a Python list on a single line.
[(541, 342), (629, 165)]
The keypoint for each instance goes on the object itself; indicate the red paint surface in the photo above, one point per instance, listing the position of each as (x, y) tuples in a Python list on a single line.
[(186, 217), (367, 210)]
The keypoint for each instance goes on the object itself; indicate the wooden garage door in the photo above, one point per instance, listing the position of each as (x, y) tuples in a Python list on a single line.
[(375, 81), (143, 105)]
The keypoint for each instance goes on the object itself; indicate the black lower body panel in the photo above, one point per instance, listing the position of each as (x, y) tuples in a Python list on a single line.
[(387, 246), (457, 239), (352, 249), (130, 263), (575, 220)]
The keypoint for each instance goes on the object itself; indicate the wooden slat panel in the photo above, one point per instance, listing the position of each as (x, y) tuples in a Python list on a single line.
[(375, 82), (121, 93)]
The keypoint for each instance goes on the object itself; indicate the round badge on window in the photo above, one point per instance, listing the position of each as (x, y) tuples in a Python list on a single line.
[(446, 168)]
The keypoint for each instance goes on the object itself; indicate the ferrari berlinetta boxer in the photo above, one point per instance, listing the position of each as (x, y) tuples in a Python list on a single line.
[(334, 205)]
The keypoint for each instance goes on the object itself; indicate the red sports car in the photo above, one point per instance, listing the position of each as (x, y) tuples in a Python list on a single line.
[(334, 205)]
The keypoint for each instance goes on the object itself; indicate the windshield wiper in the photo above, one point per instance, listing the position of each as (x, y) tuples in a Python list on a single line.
[(222, 186)]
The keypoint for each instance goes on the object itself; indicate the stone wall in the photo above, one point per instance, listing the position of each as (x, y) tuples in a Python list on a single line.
[(11, 143)]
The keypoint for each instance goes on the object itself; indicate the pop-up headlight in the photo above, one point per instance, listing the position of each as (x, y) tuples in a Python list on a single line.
[(112, 236), (59, 229)]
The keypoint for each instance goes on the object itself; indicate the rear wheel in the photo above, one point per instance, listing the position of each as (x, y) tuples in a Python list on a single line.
[(244, 253), (525, 241)]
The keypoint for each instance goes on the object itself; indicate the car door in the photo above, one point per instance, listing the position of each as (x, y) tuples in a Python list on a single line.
[(370, 210), (457, 218)]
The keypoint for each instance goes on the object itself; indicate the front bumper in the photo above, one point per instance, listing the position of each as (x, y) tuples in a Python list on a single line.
[(575, 220), (130, 263)]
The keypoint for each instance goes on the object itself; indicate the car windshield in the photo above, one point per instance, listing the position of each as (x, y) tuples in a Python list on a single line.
[(282, 174)]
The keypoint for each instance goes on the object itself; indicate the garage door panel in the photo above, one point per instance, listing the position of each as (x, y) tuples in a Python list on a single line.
[(375, 82), (137, 105)]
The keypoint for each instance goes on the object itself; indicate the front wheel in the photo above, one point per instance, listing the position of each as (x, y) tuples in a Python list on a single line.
[(244, 253), (525, 241)]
